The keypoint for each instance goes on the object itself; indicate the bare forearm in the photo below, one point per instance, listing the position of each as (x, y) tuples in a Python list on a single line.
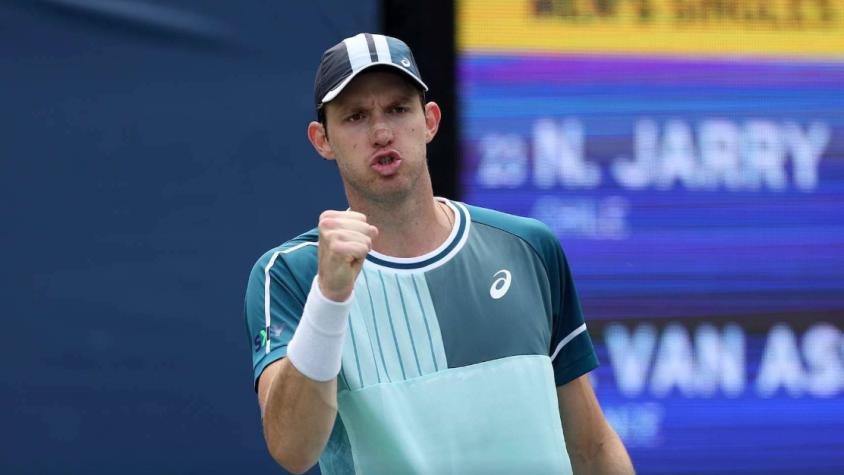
[(607, 457), (593, 446), (298, 416)]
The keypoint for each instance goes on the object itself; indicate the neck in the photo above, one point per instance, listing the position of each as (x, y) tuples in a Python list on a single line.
[(410, 227)]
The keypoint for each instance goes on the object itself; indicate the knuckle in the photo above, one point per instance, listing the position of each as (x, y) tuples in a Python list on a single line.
[(329, 213), (327, 222)]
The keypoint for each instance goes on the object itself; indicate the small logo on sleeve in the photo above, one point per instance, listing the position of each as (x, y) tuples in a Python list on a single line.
[(260, 339), (273, 331), (500, 285)]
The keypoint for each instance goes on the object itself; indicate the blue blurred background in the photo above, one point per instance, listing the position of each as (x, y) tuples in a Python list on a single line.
[(151, 150), (150, 153)]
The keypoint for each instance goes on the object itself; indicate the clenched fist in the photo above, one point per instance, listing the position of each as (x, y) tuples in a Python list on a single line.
[(344, 240)]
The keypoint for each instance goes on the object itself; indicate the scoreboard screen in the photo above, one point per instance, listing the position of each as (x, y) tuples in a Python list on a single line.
[(689, 155)]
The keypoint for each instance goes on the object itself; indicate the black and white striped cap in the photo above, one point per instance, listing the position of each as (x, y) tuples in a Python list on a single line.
[(348, 58)]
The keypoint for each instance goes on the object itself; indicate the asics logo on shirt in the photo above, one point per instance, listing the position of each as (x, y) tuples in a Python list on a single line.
[(500, 285)]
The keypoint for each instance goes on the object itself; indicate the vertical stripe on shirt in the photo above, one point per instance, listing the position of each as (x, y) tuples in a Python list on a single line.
[(392, 326), (409, 330), (355, 348), (375, 323)]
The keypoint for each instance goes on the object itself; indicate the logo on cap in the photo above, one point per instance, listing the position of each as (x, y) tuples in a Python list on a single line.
[(405, 62)]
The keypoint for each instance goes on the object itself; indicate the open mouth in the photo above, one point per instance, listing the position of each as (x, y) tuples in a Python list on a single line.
[(386, 160), (386, 163)]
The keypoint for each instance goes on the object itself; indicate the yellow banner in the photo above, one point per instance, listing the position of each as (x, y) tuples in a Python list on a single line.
[(792, 28)]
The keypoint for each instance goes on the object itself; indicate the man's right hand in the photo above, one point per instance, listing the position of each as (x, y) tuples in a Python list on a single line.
[(344, 240)]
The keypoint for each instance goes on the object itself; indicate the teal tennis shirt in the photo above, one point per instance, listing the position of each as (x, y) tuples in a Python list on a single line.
[(451, 359)]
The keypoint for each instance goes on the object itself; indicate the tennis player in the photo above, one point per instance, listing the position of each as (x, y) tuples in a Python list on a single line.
[(448, 338)]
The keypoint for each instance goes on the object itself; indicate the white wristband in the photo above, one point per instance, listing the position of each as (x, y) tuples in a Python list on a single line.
[(316, 348)]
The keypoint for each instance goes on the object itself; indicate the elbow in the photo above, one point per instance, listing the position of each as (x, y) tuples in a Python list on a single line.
[(296, 467), (291, 461), (284, 449), (292, 456)]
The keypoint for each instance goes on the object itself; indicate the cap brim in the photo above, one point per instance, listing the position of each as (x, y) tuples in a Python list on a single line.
[(332, 94)]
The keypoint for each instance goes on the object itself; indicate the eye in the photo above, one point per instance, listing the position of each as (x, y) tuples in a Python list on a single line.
[(354, 117), (399, 109)]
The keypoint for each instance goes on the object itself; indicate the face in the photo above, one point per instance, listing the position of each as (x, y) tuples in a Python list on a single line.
[(378, 132)]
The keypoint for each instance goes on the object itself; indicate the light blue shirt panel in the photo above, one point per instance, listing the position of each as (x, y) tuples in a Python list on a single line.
[(393, 331)]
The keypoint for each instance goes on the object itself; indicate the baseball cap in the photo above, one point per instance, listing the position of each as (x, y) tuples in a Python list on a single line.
[(344, 61)]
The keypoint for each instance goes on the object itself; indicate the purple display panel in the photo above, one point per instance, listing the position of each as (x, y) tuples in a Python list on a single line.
[(700, 204)]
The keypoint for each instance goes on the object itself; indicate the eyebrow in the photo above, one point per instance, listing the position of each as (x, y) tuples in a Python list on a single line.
[(359, 105)]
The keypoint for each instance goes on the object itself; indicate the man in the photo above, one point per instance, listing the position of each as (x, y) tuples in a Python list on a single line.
[(448, 337)]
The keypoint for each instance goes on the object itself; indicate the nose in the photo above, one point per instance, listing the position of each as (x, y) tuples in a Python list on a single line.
[(381, 132)]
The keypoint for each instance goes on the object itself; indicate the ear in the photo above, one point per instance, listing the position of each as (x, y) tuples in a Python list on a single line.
[(432, 120), (316, 134)]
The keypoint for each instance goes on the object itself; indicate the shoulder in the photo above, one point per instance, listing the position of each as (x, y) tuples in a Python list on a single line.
[(530, 230), (298, 255)]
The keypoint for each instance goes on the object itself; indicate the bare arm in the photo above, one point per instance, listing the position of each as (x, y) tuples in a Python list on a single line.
[(593, 446), (298, 415)]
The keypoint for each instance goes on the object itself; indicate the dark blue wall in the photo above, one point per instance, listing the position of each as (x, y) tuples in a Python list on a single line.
[(149, 153)]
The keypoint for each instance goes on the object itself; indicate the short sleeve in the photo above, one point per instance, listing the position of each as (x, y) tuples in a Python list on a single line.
[(571, 351), (275, 298)]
